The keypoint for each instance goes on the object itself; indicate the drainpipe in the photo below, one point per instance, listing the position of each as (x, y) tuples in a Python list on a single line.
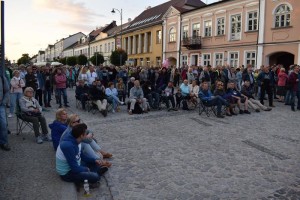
[(258, 24)]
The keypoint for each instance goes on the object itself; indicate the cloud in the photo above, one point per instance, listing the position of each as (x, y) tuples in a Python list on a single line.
[(75, 10)]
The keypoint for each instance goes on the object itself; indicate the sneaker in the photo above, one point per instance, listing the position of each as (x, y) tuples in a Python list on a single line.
[(102, 170), (293, 109), (46, 137), (268, 109), (122, 103), (169, 109), (5, 147), (220, 116), (130, 112), (228, 114), (241, 112), (257, 110), (247, 112), (39, 140), (10, 115)]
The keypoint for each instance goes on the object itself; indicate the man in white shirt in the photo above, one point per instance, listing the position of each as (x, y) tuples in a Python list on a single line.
[(92, 75)]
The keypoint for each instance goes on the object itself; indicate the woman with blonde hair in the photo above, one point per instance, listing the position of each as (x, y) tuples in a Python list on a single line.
[(58, 126), (89, 146), (16, 91)]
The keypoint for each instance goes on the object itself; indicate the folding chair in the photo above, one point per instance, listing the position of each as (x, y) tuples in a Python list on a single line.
[(208, 110), (21, 123)]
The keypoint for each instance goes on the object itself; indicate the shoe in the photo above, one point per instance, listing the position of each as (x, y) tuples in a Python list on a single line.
[(10, 115), (60, 106), (257, 110), (5, 147), (247, 112), (107, 155), (293, 109), (113, 111), (232, 112), (241, 112), (46, 137), (169, 109), (130, 112), (104, 113), (39, 140), (145, 111), (298, 108), (105, 164), (220, 116), (268, 109), (272, 106), (175, 109), (122, 103), (49, 106), (228, 114), (67, 106), (102, 170)]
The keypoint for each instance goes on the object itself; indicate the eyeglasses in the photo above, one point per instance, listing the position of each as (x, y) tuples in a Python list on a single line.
[(77, 121)]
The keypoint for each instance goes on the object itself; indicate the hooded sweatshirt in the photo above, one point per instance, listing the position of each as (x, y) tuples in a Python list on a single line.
[(57, 129)]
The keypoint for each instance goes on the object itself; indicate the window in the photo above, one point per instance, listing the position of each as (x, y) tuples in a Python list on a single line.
[(100, 48), (185, 32), (234, 59), (158, 61), (251, 58), (196, 30), (252, 21), (206, 59), (105, 48), (207, 28), (218, 59), (282, 16), (158, 37), (236, 25), (221, 26), (108, 47), (112, 46), (184, 60), (172, 35)]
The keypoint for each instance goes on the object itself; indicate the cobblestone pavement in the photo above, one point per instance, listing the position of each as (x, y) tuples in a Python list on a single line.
[(181, 155)]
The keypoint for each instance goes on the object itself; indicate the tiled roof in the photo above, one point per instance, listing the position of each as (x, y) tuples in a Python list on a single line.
[(154, 15)]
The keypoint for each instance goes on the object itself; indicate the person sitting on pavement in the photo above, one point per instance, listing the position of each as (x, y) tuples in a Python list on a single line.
[(97, 95), (81, 93), (237, 97), (137, 96), (112, 95), (208, 99), (58, 126), (32, 112), (151, 95), (90, 147), (74, 166), (253, 103), (168, 95)]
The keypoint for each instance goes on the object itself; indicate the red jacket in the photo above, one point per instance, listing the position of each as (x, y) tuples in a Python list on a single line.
[(61, 81)]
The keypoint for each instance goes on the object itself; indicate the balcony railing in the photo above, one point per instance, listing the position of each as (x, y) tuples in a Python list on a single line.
[(192, 42)]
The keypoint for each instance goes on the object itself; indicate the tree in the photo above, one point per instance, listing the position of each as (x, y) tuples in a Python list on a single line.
[(97, 59), (82, 60), (25, 59), (71, 61), (117, 55), (63, 61)]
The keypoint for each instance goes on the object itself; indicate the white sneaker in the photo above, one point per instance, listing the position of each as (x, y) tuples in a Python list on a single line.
[(113, 111), (39, 140), (10, 115), (122, 103), (46, 137)]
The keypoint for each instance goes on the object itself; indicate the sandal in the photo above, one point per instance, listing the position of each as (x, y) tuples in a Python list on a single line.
[(107, 155), (105, 163)]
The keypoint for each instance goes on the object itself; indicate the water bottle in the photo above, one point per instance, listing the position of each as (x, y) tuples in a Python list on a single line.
[(86, 188)]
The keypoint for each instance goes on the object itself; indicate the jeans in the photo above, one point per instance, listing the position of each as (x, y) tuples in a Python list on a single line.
[(295, 94), (88, 151), (14, 97), (47, 96), (166, 99), (217, 101), (83, 99), (62, 91), (92, 176), (3, 125), (155, 96), (115, 100), (287, 98)]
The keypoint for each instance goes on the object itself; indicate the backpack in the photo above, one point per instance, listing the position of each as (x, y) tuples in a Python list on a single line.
[(137, 109)]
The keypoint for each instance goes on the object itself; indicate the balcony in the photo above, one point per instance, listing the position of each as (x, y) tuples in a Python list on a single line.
[(192, 43)]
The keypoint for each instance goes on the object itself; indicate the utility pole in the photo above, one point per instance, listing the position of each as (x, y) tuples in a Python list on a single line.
[(2, 55)]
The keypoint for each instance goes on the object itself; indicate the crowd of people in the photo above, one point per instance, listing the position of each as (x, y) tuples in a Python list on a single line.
[(78, 155)]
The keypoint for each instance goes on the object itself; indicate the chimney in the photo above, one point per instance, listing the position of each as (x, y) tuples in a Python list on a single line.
[(147, 8), (129, 19)]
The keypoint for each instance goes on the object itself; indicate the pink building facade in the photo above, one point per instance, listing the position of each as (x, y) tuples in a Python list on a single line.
[(234, 33)]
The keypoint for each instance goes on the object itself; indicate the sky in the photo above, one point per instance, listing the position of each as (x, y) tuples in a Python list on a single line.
[(30, 25)]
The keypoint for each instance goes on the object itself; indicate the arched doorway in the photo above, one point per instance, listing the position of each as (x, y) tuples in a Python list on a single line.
[(172, 61), (284, 58)]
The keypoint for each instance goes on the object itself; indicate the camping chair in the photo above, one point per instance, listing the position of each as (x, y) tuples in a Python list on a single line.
[(208, 110), (21, 123)]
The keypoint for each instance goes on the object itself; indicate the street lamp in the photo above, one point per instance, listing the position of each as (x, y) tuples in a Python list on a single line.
[(121, 15)]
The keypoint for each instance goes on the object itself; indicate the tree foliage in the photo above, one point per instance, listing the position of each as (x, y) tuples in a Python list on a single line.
[(97, 59), (82, 60), (71, 61), (25, 59), (117, 55), (63, 60)]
